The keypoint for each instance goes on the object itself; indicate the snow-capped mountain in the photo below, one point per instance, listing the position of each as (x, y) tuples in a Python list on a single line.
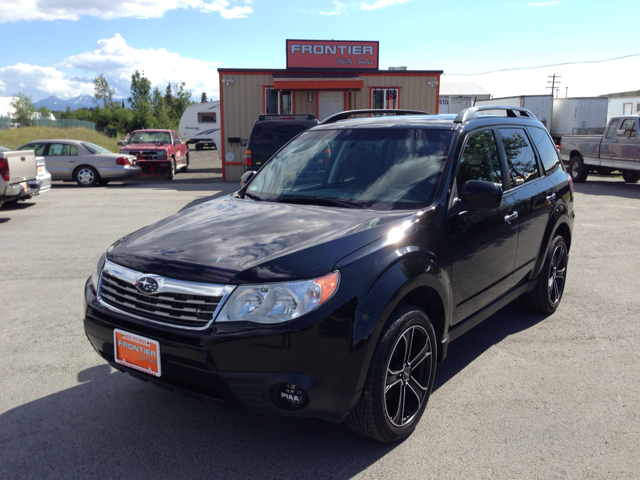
[(54, 103)]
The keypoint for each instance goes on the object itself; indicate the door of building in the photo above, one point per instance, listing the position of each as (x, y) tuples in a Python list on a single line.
[(329, 103)]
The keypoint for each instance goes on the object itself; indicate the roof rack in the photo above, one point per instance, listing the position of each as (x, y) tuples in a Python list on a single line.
[(472, 112), (344, 115), (283, 116)]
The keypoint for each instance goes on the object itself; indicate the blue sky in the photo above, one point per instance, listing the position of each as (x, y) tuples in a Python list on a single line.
[(56, 47)]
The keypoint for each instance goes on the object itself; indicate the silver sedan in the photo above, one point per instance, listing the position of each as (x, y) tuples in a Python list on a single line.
[(86, 163)]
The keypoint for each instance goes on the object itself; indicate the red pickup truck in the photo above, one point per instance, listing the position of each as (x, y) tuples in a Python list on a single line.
[(159, 152)]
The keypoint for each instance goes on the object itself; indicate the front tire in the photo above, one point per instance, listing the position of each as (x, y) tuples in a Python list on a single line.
[(400, 378), (631, 176), (172, 172), (86, 176), (578, 170), (185, 168), (546, 295)]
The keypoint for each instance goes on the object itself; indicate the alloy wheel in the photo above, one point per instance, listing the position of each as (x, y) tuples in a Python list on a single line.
[(557, 274), (407, 376), (86, 176)]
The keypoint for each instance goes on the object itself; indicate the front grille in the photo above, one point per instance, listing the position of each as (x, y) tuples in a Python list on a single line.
[(149, 155), (184, 307)]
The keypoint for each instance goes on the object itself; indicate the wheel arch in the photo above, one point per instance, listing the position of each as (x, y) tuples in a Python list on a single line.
[(78, 167)]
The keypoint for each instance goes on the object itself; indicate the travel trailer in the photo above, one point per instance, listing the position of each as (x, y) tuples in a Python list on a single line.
[(200, 125)]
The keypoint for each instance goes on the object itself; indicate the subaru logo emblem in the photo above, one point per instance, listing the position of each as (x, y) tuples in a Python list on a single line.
[(147, 285)]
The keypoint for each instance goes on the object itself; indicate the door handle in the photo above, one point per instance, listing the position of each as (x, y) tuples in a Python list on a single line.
[(511, 217), (551, 198)]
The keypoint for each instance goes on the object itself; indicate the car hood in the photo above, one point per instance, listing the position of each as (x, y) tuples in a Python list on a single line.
[(144, 146), (234, 240)]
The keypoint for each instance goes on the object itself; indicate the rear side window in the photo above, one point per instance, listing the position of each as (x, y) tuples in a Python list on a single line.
[(612, 128), (546, 148), (62, 149), (38, 147), (520, 157), (275, 134), (479, 160)]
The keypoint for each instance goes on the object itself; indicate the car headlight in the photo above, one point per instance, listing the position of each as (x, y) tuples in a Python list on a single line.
[(278, 302)]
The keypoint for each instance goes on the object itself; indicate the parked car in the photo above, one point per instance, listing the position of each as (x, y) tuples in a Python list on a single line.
[(270, 133), (4, 149), (18, 172), (160, 153), (333, 281), (86, 163), (618, 150), (43, 177)]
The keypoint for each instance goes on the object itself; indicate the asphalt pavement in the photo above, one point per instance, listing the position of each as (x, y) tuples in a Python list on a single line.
[(519, 396)]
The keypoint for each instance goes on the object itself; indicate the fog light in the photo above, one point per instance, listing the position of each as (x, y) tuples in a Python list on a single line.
[(292, 396)]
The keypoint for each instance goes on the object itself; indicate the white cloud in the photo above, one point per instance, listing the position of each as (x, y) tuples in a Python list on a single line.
[(117, 61), (48, 10), (542, 4), (338, 8), (381, 4)]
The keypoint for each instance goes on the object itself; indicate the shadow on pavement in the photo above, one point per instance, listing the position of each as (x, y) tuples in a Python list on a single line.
[(593, 186), (112, 425)]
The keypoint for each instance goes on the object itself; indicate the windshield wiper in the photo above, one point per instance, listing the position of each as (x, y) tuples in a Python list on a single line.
[(330, 202), (253, 197)]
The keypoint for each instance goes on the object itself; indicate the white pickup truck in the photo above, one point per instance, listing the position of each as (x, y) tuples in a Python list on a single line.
[(18, 175), (617, 150)]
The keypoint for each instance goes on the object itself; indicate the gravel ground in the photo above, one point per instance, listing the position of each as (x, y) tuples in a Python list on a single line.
[(520, 396)]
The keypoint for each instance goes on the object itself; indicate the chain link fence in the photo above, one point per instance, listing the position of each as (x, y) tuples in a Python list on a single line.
[(5, 123)]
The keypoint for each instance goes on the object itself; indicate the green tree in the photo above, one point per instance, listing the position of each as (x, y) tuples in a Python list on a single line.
[(140, 100), (181, 100), (168, 96), (44, 112), (160, 110), (102, 91), (23, 108), (203, 98)]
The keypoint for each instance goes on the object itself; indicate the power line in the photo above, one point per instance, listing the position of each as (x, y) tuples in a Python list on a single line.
[(545, 66)]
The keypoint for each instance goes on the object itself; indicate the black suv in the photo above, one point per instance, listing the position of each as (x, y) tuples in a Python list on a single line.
[(331, 283), (270, 133)]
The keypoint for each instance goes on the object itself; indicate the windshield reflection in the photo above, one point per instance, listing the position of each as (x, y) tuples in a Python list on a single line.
[(384, 169)]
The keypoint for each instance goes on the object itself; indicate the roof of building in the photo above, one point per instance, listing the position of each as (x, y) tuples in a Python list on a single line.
[(461, 88), (632, 93)]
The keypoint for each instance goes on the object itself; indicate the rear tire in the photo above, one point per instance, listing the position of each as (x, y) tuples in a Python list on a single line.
[(631, 176), (86, 176), (546, 295), (400, 378), (578, 170), (185, 168)]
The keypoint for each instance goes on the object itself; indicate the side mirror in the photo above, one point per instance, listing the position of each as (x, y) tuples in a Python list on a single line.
[(247, 177), (177, 142), (244, 142), (620, 133), (482, 195)]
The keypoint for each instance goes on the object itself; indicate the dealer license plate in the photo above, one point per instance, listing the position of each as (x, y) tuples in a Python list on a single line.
[(137, 352)]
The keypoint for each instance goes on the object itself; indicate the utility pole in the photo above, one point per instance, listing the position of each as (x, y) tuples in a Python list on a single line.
[(554, 81), (566, 92)]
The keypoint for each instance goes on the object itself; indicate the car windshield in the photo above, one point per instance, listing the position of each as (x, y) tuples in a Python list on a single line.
[(383, 169), (93, 148), (150, 137)]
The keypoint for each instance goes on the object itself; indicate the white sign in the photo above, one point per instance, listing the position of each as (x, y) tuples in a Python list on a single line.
[(229, 157)]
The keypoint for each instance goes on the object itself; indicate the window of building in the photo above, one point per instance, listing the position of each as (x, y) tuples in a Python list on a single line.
[(384, 98), (206, 117), (479, 160), (278, 102), (520, 157)]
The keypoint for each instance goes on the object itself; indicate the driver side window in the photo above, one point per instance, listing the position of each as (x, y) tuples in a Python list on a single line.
[(479, 160)]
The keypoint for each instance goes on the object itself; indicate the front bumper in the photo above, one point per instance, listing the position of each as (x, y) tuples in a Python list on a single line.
[(248, 365), (127, 171)]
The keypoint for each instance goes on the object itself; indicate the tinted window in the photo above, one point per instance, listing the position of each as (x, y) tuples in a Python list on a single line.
[(38, 147), (479, 160), (612, 128), (62, 149), (207, 117), (546, 148), (629, 127), (520, 157), (93, 148)]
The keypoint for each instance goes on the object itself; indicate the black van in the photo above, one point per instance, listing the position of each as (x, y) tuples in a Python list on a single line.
[(270, 133)]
